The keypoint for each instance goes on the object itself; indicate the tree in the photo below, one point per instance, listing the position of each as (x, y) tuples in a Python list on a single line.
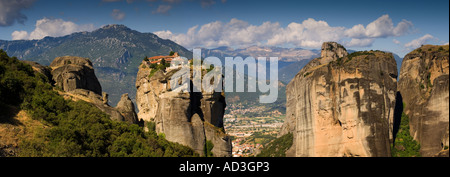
[(171, 53), (404, 144)]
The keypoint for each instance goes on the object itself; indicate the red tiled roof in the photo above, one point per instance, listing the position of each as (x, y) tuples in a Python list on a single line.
[(156, 57)]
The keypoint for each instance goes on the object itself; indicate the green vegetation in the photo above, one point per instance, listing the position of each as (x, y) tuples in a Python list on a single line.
[(355, 54), (349, 57), (171, 53), (261, 138), (278, 147), (405, 145), (208, 148), (156, 67), (75, 129), (161, 66)]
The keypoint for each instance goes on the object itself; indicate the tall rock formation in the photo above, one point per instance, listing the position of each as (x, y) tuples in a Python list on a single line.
[(188, 118), (72, 73), (76, 77), (424, 86), (126, 108), (342, 105)]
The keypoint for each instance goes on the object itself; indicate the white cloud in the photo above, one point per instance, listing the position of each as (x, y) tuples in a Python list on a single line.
[(416, 43), (395, 41), (51, 27), (380, 28), (18, 35), (309, 33), (10, 11), (355, 42), (234, 33), (117, 14)]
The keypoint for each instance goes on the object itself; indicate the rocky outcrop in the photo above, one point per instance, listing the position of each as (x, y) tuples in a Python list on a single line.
[(70, 73), (126, 108), (188, 118), (342, 105), (424, 86), (76, 77)]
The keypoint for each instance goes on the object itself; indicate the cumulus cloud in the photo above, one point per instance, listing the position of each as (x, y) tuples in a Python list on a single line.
[(18, 35), (355, 42), (380, 28), (416, 43), (51, 27), (10, 11), (309, 33), (233, 33), (117, 14)]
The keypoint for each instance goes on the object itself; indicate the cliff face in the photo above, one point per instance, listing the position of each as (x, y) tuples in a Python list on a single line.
[(424, 86), (188, 118), (342, 105), (76, 77)]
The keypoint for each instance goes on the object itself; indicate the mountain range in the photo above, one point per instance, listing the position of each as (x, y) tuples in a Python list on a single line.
[(117, 51)]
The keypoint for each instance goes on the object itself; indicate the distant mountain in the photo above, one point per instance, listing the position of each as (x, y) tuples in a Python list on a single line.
[(283, 54), (290, 61), (115, 50), (287, 73), (399, 60), (286, 56)]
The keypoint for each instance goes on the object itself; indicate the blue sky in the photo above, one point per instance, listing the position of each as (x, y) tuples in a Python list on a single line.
[(397, 26)]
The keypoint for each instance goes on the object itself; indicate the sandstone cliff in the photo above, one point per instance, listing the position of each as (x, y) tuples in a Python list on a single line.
[(76, 77), (424, 86), (342, 105), (188, 118)]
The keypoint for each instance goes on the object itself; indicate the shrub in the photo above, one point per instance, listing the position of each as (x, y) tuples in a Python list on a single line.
[(208, 148), (278, 147), (153, 65), (404, 144)]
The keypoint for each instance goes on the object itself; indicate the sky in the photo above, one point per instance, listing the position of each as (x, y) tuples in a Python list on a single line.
[(398, 26)]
